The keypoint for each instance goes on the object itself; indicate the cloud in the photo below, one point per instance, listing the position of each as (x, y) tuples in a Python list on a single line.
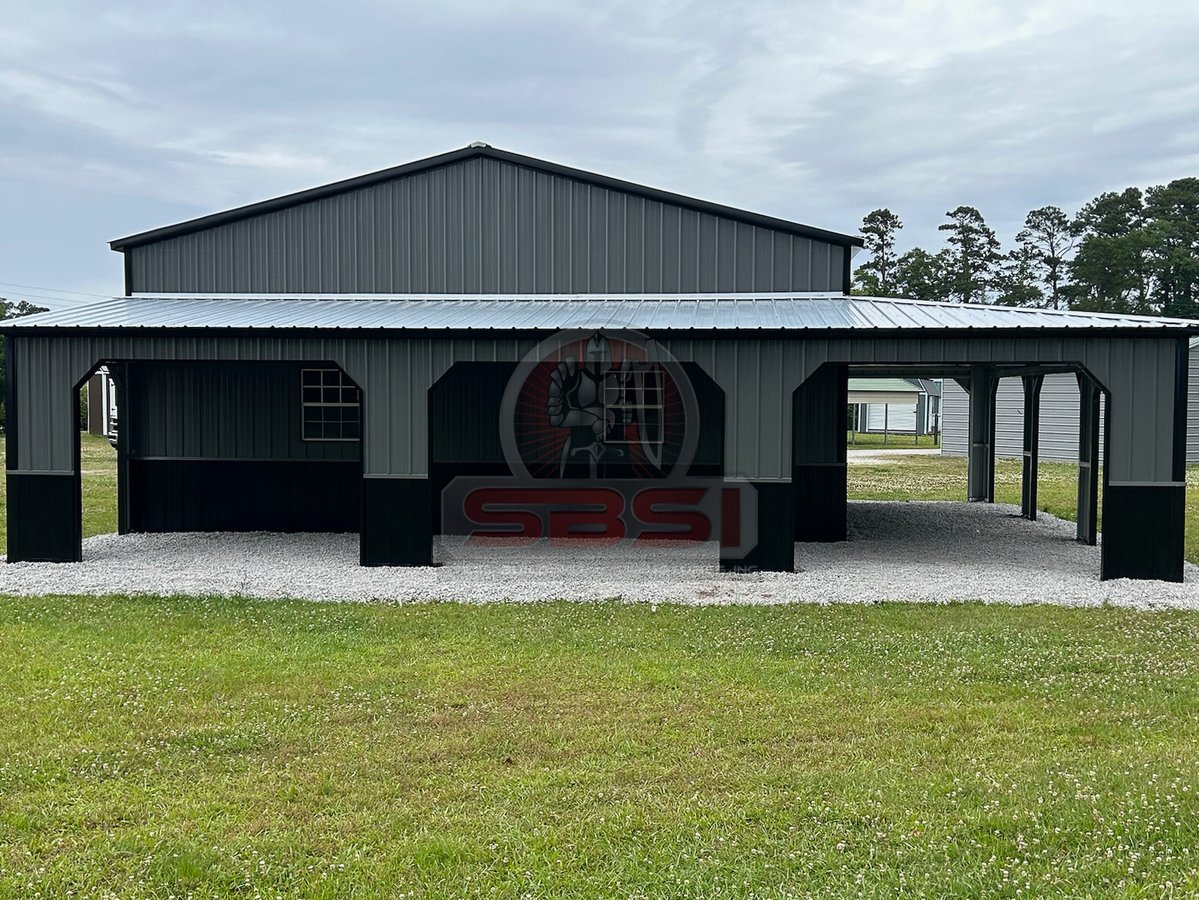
[(123, 118)]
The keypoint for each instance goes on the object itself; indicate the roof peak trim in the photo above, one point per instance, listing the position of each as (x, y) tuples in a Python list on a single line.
[(309, 195)]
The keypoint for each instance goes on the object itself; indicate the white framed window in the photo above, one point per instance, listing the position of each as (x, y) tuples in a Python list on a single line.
[(331, 405)]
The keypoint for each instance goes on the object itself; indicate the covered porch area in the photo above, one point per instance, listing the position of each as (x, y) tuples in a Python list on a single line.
[(781, 365)]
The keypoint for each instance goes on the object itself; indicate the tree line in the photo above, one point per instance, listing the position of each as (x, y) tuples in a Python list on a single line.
[(1132, 251)]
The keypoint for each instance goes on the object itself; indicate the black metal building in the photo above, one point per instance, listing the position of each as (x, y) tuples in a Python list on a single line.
[(333, 359)]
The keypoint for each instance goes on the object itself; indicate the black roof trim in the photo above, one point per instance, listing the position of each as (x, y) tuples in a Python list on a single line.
[(454, 156), (15, 329)]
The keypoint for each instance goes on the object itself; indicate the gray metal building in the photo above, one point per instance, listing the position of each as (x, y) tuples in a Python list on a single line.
[(330, 359), (1059, 417)]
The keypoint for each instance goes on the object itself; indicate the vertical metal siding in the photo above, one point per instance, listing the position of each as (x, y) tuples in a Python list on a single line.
[(758, 376), (955, 418), (485, 226), (185, 410), (894, 417), (1193, 404), (1058, 425)]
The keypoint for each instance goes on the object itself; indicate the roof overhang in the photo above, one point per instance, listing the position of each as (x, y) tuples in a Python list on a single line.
[(740, 313)]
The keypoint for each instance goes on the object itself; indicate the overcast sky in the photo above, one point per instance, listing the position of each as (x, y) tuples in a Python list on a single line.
[(116, 117)]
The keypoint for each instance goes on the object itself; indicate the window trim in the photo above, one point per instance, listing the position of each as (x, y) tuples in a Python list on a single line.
[(342, 382)]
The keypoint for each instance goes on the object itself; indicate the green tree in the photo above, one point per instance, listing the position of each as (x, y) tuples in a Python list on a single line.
[(879, 229), (1112, 272), (1172, 246), (1051, 236), (10, 309), (922, 275), (1016, 281), (865, 284), (973, 254)]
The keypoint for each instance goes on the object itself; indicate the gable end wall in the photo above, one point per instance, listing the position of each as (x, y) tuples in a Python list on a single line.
[(485, 226)]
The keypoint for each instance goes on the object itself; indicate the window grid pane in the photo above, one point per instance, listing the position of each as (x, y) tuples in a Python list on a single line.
[(331, 406)]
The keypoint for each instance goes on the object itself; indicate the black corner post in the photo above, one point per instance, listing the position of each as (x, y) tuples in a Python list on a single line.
[(397, 522), (981, 459), (819, 422), (1144, 523), (1032, 445), (1088, 460), (774, 547), (44, 506)]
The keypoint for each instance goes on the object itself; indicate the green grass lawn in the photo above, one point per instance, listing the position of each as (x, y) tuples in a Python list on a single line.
[(944, 478), (164, 747), (196, 747), (862, 441)]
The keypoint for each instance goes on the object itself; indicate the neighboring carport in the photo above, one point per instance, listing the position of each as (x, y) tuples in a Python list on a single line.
[(781, 361)]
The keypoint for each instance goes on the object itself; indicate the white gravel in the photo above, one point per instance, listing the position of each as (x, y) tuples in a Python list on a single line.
[(928, 552)]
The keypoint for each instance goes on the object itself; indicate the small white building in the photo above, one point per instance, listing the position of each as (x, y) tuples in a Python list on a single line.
[(895, 405), (102, 404)]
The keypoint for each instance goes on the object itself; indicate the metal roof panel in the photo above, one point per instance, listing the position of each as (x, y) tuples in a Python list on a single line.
[(658, 312)]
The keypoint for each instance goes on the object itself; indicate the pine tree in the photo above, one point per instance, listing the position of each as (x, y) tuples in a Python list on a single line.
[(1051, 236), (1172, 226), (1016, 278), (973, 254), (879, 229), (1112, 271), (922, 275)]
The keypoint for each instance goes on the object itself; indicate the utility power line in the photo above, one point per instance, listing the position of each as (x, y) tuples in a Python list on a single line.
[(48, 290)]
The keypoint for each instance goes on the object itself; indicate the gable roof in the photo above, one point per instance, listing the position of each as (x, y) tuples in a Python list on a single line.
[(472, 152)]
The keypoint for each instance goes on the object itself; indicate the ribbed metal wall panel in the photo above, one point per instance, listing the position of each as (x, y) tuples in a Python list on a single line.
[(758, 377), (894, 417), (1059, 417), (1193, 404), (486, 226), (955, 419), (221, 411)]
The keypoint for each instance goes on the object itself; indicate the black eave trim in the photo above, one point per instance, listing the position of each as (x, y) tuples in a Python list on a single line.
[(454, 156), (14, 326)]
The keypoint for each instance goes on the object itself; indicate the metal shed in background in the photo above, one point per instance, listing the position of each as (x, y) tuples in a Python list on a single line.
[(895, 405), (299, 364)]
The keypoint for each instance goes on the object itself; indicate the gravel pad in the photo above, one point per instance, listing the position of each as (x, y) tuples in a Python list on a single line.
[(931, 552)]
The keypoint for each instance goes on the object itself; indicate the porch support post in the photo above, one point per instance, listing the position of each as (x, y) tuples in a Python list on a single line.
[(1144, 466), (981, 459), (1032, 442), (397, 496), (44, 508), (819, 454), (1088, 460)]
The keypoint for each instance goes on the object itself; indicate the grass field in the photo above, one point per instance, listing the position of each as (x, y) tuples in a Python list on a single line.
[(944, 478), (234, 748), (163, 747), (863, 441)]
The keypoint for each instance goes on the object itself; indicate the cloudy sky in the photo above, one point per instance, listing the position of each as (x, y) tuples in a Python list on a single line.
[(117, 117)]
